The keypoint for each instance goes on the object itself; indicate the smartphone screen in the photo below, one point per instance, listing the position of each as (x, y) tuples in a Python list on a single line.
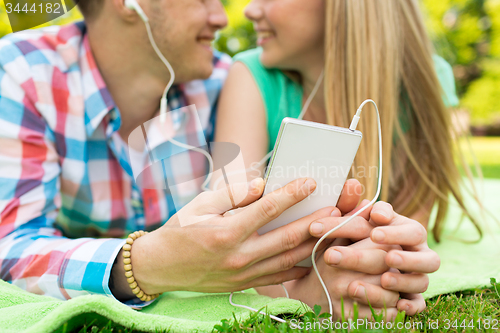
[(307, 149)]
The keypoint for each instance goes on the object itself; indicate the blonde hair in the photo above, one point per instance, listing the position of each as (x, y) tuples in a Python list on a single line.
[(379, 49)]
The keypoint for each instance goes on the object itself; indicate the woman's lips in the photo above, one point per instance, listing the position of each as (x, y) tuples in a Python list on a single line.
[(264, 36)]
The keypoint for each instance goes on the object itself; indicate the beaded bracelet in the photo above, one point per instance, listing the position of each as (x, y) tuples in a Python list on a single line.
[(127, 262)]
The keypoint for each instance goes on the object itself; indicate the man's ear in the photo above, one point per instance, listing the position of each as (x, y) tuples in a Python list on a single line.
[(127, 14)]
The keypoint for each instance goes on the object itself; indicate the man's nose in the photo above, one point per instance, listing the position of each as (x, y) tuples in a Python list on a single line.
[(217, 15)]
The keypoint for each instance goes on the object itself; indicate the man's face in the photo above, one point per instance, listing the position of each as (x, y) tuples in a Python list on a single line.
[(184, 30)]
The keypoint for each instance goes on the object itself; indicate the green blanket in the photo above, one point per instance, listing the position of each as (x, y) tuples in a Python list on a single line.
[(463, 267), (178, 312)]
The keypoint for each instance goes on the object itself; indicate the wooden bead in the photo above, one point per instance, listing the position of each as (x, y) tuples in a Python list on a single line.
[(127, 265)]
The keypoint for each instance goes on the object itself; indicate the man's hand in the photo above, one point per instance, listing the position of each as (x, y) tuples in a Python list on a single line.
[(216, 253)]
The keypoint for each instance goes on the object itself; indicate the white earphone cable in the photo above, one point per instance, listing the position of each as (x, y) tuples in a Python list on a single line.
[(163, 111), (311, 95), (163, 102), (261, 162), (257, 165), (252, 309), (352, 127)]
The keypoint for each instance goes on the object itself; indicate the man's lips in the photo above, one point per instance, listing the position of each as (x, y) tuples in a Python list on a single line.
[(206, 40)]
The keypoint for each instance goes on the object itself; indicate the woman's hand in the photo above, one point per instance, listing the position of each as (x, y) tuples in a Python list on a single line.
[(351, 271), (349, 285), (415, 259), (412, 255)]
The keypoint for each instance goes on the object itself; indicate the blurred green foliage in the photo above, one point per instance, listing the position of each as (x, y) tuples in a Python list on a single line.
[(70, 16), (239, 34), (482, 95), (465, 32)]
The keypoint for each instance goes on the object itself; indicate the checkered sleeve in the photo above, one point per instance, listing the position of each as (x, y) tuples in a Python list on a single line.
[(34, 255)]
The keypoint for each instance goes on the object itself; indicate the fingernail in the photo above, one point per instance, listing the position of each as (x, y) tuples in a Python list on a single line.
[(255, 186), (378, 236), (334, 257), (336, 213), (391, 282), (397, 260), (360, 292), (317, 228), (309, 185), (383, 213)]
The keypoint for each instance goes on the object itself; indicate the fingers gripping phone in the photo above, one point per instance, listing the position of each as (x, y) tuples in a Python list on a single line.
[(308, 149)]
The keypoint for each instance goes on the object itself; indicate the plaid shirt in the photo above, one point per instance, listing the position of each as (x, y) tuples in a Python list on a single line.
[(67, 190)]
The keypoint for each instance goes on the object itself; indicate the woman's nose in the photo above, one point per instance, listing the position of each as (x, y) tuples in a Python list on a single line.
[(254, 11)]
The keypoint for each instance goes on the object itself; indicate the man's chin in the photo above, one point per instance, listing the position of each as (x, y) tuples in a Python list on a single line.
[(207, 73), (201, 73), (198, 70)]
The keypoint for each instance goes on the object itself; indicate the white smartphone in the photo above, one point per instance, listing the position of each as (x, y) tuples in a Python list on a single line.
[(308, 149)]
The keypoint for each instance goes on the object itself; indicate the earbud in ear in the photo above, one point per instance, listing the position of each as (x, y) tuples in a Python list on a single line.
[(132, 4)]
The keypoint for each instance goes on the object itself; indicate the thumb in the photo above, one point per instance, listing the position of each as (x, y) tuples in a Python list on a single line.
[(229, 197)]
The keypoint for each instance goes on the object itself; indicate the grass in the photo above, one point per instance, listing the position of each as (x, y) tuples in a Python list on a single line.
[(466, 311), (487, 152)]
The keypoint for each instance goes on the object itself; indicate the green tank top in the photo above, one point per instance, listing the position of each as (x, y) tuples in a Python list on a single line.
[(283, 97)]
